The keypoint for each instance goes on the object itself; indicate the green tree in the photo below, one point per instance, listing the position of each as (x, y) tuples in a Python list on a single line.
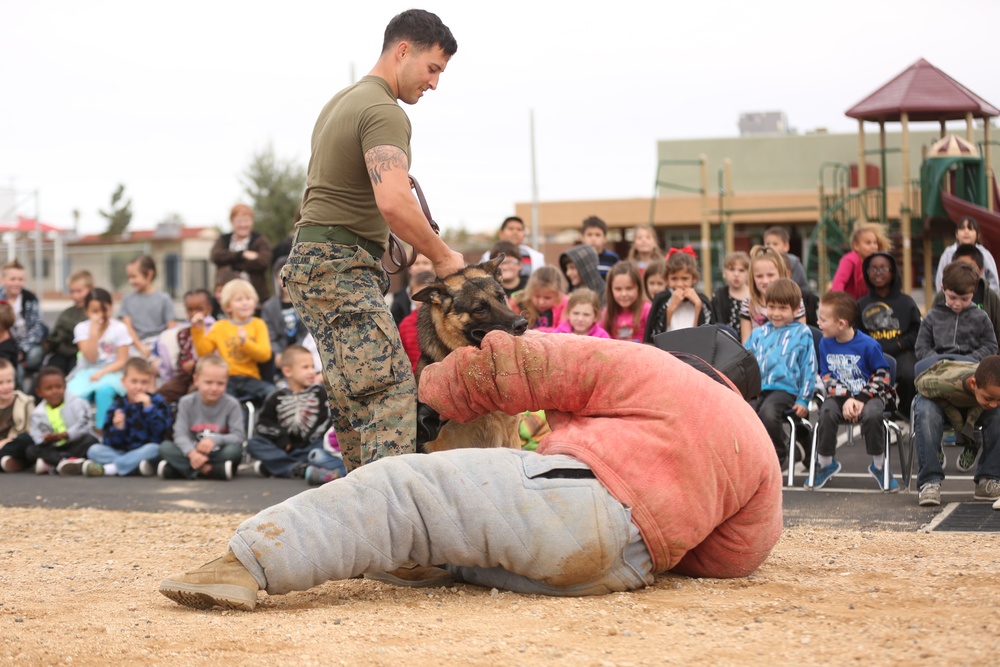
[(275, 187), (119, 214)]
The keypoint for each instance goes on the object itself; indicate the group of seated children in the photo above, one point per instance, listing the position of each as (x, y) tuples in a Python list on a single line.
[(106, 416), (203, 439), (867, 356)]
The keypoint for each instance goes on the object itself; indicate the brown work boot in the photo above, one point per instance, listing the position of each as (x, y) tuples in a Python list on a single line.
[(223, 582), (412, 575)]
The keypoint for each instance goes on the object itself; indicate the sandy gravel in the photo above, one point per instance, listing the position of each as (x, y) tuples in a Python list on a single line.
[(78, 587)]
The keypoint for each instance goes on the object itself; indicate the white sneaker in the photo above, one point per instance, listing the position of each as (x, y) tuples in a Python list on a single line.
[(146, 468), (164, 471), (930, 495), (72, 466), (228, 470), (10, 464), (42, 468)]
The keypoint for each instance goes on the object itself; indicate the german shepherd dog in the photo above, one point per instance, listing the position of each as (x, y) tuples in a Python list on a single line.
[(460, 310)]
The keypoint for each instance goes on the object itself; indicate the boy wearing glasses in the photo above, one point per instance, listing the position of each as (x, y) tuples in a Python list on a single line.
[(892, 318), (511, 278)]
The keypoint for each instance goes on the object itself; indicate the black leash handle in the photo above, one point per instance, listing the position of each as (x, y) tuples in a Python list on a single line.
[(397, 252)]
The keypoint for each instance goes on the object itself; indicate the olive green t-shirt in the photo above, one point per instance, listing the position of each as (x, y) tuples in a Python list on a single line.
[(338, 188)]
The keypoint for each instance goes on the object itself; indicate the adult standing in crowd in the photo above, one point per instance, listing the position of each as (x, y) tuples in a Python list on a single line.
[(244, 251), (357, 190), (513, 231)]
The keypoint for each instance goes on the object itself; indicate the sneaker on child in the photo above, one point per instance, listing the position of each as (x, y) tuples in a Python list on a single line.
[(92, 469), (987, 489), (823, 475), (72, 466), (967, 459), (930, 495), (166, 471), (223, 472), (316, 476), (10, 464), (879, 475), (42, 468), (146, 468)]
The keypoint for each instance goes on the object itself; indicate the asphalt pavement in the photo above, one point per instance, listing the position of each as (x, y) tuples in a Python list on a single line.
[(850, 500)]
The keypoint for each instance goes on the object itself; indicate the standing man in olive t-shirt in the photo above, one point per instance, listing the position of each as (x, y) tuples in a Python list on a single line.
[(357, 189)]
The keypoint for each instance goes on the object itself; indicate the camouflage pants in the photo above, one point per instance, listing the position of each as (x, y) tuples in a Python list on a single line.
[(337, 292)]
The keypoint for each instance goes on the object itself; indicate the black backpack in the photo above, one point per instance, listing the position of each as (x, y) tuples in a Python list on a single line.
[(713, 350)]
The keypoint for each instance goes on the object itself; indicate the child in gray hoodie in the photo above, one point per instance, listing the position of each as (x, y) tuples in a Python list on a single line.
[(579, 265), (957, 326)]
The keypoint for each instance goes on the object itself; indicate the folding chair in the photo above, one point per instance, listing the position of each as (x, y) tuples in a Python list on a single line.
[(890, 426), (795, 423)]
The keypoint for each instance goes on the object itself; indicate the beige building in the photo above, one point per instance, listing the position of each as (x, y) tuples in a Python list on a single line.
[(181, 255), (770, 179)]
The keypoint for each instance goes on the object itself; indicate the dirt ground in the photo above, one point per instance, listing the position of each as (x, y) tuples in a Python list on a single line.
[(78, 587)]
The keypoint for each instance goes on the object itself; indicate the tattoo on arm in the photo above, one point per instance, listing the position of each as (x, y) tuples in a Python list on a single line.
[(381, 159)]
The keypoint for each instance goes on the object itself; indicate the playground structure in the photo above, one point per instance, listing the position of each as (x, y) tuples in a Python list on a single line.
[(953, 181)]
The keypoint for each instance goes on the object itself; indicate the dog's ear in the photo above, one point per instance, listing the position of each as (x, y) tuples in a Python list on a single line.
[(430, 294), (493, 266)]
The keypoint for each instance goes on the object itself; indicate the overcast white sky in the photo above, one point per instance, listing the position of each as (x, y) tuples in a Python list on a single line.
[(172, 99)]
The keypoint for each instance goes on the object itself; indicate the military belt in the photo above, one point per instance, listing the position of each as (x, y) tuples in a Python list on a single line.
[(338, 236)]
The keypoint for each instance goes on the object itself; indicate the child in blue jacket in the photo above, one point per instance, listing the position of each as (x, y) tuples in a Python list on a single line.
[(787, 357), (136, 424)]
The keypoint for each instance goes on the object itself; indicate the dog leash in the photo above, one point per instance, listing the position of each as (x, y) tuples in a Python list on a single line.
[(397, 252)]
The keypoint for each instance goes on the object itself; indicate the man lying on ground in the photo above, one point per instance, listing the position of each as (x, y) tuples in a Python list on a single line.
[(651, 466)]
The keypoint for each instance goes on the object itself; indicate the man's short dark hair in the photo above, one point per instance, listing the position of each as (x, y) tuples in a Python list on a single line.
[(843, 305), (988, 372), (960, 278), (972, 252), (507, 248), (420, 28), (594, 221)]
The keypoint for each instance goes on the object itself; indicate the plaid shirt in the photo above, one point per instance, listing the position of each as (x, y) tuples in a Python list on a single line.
[(142, 425)]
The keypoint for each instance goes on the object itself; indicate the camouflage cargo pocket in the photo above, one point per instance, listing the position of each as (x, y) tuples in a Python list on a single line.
[(369, 354), (296, 273)]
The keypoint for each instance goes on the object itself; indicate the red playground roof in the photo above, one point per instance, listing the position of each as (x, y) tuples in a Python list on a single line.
[(26, 225), (926, 94)]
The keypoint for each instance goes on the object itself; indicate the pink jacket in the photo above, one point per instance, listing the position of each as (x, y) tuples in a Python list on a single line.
[(850, 277), (687, 454), (596, 331), (558, 315)]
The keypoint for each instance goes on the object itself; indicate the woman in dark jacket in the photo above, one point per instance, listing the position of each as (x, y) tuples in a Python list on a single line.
[(244, 251)]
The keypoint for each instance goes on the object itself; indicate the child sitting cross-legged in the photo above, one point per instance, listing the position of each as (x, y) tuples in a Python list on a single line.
[(292, 422), (857, 384), (134, 427), (209, 428), (15, 418), (787, 357), (62, 426), (242, 340)]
